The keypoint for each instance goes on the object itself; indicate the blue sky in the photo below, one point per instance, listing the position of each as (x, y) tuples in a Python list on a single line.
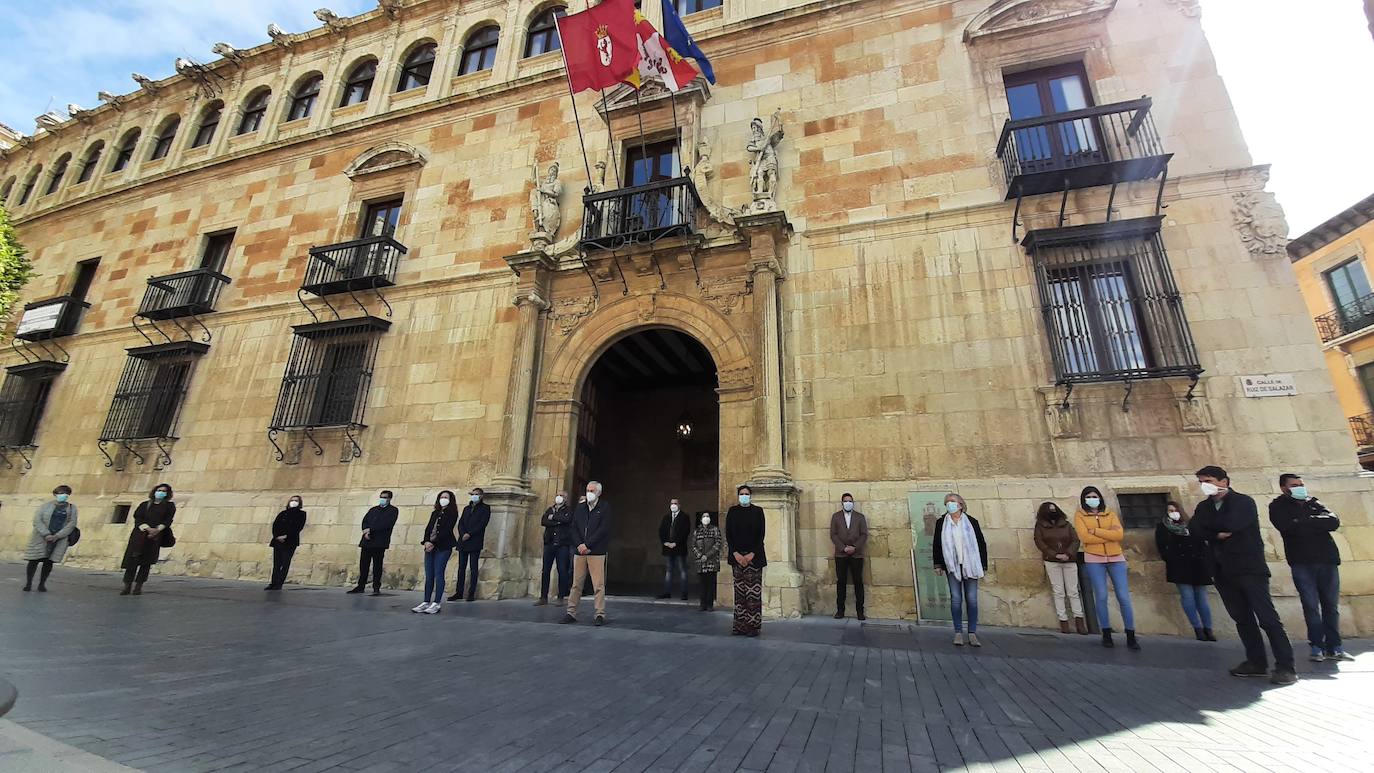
[(1305, 112)]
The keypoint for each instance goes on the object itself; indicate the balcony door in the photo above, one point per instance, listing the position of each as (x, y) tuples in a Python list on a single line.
[(1054, 145), (379, 219), (1349, 285), (645, 165)]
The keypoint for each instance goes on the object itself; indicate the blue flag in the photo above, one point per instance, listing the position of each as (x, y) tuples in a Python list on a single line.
[(675, 32)]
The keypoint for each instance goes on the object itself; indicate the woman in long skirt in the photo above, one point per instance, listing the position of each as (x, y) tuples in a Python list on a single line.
[(744, 528), (152, 531)]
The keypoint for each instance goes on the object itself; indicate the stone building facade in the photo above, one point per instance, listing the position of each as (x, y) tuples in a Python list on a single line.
[(880, 287)]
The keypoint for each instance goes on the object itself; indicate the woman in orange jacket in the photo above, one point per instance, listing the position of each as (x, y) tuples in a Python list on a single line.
[(1100, 534)]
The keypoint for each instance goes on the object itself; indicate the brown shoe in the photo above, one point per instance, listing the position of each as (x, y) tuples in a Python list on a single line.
[(1080, 626), (542, 603), (1063, 626)]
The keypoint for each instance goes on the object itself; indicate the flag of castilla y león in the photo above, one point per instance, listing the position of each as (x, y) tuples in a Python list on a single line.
[(600, 47), (657, 59)]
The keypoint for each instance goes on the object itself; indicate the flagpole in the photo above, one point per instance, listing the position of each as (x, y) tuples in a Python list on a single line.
[(576, 118), (643, 145)]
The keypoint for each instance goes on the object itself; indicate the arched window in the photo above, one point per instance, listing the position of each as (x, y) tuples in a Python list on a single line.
[(254, 111), (544, 31), (209, 122), (685, 7), (417, 68), (30, 183), (303, 99), (125, 153), (358, 86), (162, 144), (479, 52), (59, 170), (91, 160), (5, 191)]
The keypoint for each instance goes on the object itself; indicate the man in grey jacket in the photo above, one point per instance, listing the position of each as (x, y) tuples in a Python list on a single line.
[(849, 533)]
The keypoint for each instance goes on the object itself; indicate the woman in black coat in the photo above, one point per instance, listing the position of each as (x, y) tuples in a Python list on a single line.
[(1188, 566), (286, 537), (439, 542), (744, 530), (152, 532)]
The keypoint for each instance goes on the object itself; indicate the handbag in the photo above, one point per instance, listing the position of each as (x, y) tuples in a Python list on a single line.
[(167, 539), (74, 537)]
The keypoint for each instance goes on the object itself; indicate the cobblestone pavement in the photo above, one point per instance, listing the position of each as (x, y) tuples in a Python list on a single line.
[(201, 675)]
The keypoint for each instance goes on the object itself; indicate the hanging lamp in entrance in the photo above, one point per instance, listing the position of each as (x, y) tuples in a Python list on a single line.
[(684, 428)]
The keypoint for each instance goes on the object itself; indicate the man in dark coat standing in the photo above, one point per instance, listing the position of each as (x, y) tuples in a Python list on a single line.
[(849, 535), (1229, 521), (591, 536), (377, 527), (557, 523), (1306, 526), (472, 530), (674, 531)]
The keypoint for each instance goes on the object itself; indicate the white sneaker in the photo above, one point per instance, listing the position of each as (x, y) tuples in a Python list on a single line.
[(433, 608), (422, 606), (958, 639), (973, 640)]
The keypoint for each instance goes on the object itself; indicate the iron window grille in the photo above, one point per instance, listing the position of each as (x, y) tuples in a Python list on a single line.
[(1142, 511), (328, 373), (23, 398), (148, 399), (642, 214), (1111, 308)]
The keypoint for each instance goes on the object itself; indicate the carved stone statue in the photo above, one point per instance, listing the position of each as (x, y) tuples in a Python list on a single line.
[(392, 8), (599, 184), (145, 83), (279, 36), (330, 19), (763, 166), (227, 52), (703, 166), (544, 205)]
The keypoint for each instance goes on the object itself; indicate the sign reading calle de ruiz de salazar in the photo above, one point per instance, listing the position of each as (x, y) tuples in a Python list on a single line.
[(42, 319), (1270, 385)]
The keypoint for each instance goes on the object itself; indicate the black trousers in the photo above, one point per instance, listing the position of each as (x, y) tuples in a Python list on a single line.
[(466, 562), (854, 568), (138, 572), (370, 557), (708, 589), (281, 563), (1248, 603)]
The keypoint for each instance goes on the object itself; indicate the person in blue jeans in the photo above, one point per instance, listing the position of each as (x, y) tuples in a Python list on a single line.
[(439, 542), (1306, 526), (557, 523), (1100, 534), (674, 531), (961, 555), (1188, 566)]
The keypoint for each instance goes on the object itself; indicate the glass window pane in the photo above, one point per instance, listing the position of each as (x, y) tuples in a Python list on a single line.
[(1024, 101), (1067, 94)]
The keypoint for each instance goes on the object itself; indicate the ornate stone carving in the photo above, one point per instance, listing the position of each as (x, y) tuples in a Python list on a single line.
[(646, 306), (109, 99), (228, 52), (735, 378), (1017, 16), (78, 112), (599, 184), (1064, 422), (725, 294), (330, 20), (279, 36), (763, 164), (643, 263), (49, 121), (145, 83), (390, 155), (392, 8), (1259, 224), (703, 170), (1189, 8), (567, 312), (544, 207)]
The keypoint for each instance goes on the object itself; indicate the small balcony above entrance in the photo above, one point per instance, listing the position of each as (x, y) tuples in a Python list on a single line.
[(362, 264), (643, 214), (188, 293)]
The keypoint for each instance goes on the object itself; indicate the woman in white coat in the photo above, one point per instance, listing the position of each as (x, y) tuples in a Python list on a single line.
[(53, 526)]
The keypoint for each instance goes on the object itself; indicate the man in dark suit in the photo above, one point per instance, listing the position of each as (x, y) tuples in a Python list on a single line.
[(674, 531), (472, 529), (377, 527), (849, 534), (1229, 521), (591, 536)]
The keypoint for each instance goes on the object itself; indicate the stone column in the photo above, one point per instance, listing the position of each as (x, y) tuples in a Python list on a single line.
[(771, 483)]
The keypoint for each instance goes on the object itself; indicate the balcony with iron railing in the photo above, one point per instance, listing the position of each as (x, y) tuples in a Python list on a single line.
[(362, 264), (643, 214), (1362, 427), (188, 293), (1344, 320), (51, 318), (1085, 148)]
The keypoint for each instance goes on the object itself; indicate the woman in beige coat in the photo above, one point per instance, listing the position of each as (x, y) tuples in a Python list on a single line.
[(53, 525)]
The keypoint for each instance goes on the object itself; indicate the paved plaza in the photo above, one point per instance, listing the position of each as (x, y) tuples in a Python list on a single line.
[(217, 675)]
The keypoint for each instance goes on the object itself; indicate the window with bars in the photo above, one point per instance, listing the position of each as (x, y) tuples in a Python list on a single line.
[(1112, 310), (151, 391), (23, 397), (1142, 511), (328, 374)]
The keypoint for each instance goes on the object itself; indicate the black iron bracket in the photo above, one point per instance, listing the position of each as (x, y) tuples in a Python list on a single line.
[(310, 435), (134, 321), (378, 292), (360, 305), (1192, 386), (1064, 202), (272, 438), (624, 283), (1160, 206), (1126, 401), (1068, 392), (301, 299), (164, 454), (207, 336), (1016, 213), (356, 452), (24, 353), (23, 454)]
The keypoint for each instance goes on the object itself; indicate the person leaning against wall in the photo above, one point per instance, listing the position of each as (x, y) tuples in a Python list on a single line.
[(960, 554), (152, 532), (1100, 532), (54, 530), (286, 537), (1058, 544)]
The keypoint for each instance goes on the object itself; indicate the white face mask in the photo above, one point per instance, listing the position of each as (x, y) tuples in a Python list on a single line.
[(294, 503), (705, 520), (952, 507), (475, 498), (744, 499), (443, 501), (1209, 489), (591, 497), (849, 507), (1175, 516), (558, 500), (674, 508)]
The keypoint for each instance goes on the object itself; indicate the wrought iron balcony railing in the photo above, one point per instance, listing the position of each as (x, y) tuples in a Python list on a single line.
[(1362, 427), (188, 293), (1347, 319), (639, 215), (51, 318), (1081, 149), (363, 264)]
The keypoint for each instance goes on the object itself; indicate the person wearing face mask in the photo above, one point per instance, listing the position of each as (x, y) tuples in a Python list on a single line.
[(706, 544), (557, 523), (472, 530), (674, 531), (1306, 526), (1058, 544), (1188, 567), (961, 555), (54, 530), (286, 537), (377, 526), (152, 532), (1100, 532), (591, 537), (439, 542), (849, 535), (744, 531), (1229, 521)]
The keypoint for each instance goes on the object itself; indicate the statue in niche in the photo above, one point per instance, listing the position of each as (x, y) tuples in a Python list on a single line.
[(544, 205), (763, 166)]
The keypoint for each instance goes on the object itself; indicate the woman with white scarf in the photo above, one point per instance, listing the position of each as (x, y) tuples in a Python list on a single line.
[(961, 556)]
